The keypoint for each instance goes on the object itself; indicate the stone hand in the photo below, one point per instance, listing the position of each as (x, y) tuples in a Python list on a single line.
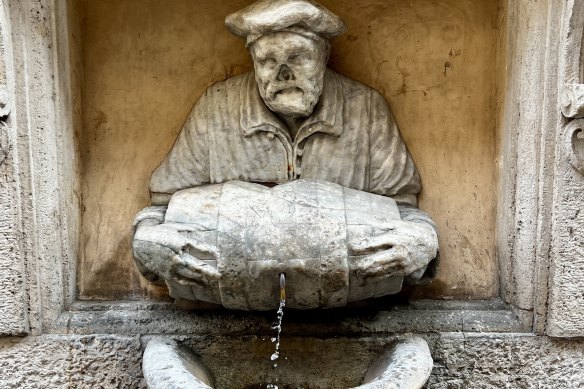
[(168, 251), (401, 250), (150, 215)]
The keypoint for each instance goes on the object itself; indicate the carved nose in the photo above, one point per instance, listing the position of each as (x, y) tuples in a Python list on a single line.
[(285, 74)]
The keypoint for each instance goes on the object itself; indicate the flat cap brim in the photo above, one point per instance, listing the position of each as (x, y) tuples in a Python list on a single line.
[(265, 16)]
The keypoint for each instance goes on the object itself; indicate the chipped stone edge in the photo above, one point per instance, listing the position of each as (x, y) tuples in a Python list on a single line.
[(140, 318), (13, 295), (574, 130), (166, 366)]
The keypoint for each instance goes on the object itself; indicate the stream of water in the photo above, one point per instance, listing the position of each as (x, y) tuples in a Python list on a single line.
[(278, 326)]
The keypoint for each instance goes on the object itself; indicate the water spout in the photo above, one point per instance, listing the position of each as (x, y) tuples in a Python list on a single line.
[(282, 286)]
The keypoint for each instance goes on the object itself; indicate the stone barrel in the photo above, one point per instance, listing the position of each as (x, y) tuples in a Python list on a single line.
[(300, 228)]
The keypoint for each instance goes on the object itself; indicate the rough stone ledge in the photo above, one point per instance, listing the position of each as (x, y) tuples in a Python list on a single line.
[(144, 318), (69, 361), (424, 304), (471, 360), (461, 360)]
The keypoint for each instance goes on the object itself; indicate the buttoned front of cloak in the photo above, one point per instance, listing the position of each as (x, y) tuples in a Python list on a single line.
[(351, 139)]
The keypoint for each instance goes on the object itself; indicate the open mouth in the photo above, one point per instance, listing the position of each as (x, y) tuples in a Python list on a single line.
[(293, 89)]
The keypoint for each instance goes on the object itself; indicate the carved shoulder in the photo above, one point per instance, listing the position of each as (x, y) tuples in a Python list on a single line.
[(222, 89)]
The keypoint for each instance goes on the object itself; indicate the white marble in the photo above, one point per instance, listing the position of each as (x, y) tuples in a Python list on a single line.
[(327, 239), (332, 152)]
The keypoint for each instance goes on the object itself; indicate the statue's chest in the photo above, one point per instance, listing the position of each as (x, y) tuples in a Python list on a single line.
[(267, 156)]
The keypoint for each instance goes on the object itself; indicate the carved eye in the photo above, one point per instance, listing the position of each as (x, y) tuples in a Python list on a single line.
[(293, 58), (267, 62)]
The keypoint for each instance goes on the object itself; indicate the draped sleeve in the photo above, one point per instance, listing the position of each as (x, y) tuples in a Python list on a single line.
[(392, 170), (187, 163)]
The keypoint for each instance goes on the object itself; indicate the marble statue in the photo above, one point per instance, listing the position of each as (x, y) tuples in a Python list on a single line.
[(291, 168)]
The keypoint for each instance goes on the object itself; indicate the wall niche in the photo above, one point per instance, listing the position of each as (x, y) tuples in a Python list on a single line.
[(139, 66)]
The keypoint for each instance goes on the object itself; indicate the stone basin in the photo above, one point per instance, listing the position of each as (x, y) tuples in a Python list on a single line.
[(307, 363)]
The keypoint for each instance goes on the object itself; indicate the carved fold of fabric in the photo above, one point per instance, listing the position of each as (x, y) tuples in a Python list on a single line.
[(351, 139)]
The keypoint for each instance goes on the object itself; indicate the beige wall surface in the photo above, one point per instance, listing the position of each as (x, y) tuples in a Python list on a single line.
[(146, 62)]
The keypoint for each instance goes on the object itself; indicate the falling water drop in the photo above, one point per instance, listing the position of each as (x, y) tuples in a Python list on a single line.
[(278, 326)]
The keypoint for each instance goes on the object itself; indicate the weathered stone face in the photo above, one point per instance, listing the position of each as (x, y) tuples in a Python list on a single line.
[(289, 71)]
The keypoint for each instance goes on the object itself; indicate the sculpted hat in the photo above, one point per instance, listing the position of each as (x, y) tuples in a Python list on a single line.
[(266, 16)]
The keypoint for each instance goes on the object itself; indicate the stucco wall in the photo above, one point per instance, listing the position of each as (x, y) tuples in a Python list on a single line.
[(145, 63)]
